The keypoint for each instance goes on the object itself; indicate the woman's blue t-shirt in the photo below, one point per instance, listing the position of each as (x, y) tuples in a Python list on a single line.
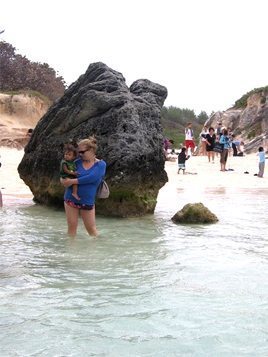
[(88, 182), (225, 141)]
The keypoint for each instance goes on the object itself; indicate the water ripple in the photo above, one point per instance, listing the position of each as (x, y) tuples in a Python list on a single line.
[(146, 287)]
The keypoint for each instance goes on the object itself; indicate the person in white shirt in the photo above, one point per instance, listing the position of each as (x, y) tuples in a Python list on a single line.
[(189, 138)]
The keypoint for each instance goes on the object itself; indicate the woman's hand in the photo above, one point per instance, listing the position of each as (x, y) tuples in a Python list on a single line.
[(67, 182)]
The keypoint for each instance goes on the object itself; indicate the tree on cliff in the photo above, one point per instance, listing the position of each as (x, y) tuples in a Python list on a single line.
[(174, 120), (19, 73)]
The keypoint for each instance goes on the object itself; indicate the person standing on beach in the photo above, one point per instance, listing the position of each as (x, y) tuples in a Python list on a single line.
[(91, 172), (261, 155), (210, 141), (225, 141), (182, 157), (189, 138), (218, 131), (203, 141)]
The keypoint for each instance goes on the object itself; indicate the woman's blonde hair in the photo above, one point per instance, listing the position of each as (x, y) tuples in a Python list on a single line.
[(89, 143)]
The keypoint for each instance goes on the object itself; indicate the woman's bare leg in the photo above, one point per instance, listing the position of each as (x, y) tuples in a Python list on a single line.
[(89, 221), (72, 215), (204, 146), (212, 155)]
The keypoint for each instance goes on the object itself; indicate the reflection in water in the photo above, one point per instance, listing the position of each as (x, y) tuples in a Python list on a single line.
[(145, 287)]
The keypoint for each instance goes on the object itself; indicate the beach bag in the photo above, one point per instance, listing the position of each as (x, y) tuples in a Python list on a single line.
[(218, 147), (103, 190)]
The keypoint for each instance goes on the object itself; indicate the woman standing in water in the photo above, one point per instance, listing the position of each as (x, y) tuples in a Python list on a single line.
[(91, 172)]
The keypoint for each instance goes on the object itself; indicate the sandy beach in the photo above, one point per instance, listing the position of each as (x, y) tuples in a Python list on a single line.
[(13, 189), (201, 175)]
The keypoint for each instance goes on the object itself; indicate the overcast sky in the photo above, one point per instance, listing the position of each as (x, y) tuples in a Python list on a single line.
[(208, 53)]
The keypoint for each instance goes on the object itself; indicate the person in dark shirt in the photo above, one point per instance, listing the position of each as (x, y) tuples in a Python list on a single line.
[(181, 160), (210, 140)]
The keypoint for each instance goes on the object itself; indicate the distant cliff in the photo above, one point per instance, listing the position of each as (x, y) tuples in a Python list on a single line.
[(18, 113), (248, 119)]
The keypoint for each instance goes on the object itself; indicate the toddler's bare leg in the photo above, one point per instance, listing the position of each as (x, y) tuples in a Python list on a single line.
[(75, 188)]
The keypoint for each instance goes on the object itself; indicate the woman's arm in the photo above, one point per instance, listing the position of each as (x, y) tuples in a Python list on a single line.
[(67, 182)]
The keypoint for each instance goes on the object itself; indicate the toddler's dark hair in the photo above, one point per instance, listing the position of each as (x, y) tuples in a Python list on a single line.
[(183, 149), (261, 148), (70, 148)]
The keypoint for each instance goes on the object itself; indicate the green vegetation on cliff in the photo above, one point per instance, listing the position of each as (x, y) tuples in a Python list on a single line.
[(30, 93), (242, 102), (19, 73), (174, 120)]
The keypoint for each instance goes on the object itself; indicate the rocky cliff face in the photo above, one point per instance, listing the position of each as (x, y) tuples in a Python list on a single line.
[(18, 113), (126, 122), (250, 124)]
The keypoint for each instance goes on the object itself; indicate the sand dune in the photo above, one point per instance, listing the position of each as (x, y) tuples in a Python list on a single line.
[(18, 113)]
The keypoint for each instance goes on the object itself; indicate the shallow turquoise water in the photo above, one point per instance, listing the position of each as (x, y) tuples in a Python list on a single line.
[(146, 287)]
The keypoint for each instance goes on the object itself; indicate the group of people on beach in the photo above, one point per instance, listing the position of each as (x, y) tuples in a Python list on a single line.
[(226, 142), (213, 142)]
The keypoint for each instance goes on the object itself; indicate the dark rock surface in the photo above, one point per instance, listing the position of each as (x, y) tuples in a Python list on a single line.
[(194, 213), (126, 122)]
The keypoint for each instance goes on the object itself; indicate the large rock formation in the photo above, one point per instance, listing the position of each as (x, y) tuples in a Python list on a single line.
[(126, 122), (18, 113), (250, 123)]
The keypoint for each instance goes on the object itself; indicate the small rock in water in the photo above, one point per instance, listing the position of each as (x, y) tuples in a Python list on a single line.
[(194, 213)]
